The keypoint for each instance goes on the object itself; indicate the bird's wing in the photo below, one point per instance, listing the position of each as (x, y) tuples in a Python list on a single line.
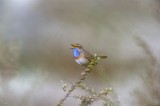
[(87, 54)]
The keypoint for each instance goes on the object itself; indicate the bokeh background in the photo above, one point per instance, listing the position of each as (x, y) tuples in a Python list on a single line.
[(35, 37)]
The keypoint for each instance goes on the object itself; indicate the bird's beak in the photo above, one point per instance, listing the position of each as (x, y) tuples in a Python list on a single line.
[(72, 46)]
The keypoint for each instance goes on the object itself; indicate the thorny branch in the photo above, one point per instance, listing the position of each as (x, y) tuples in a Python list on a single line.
[(84, 74)]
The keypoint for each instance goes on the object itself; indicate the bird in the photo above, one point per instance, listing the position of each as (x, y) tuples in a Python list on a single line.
[(82, 56)]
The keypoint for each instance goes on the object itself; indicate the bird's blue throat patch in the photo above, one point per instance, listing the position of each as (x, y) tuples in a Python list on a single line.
[(76, 53)]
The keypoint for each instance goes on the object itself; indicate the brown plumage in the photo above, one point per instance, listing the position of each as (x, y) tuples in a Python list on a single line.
[(82, 56)]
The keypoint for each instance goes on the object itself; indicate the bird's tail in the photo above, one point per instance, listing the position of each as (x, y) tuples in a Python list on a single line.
[(102, 57)]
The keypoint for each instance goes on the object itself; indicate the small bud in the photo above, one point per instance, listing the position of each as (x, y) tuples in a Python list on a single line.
[(95, 55), (64, 86), (83, 74), (110, 89), (98, 58)]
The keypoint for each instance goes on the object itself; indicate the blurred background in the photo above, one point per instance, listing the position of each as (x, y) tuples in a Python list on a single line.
[(35, 37)]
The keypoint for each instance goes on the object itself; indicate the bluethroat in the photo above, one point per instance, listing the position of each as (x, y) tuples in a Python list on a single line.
[(82, 56)]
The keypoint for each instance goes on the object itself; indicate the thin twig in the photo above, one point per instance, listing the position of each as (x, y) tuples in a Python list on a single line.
[(84, 74)]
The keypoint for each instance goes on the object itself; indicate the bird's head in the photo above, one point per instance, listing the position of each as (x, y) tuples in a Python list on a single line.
[(76, 45)]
